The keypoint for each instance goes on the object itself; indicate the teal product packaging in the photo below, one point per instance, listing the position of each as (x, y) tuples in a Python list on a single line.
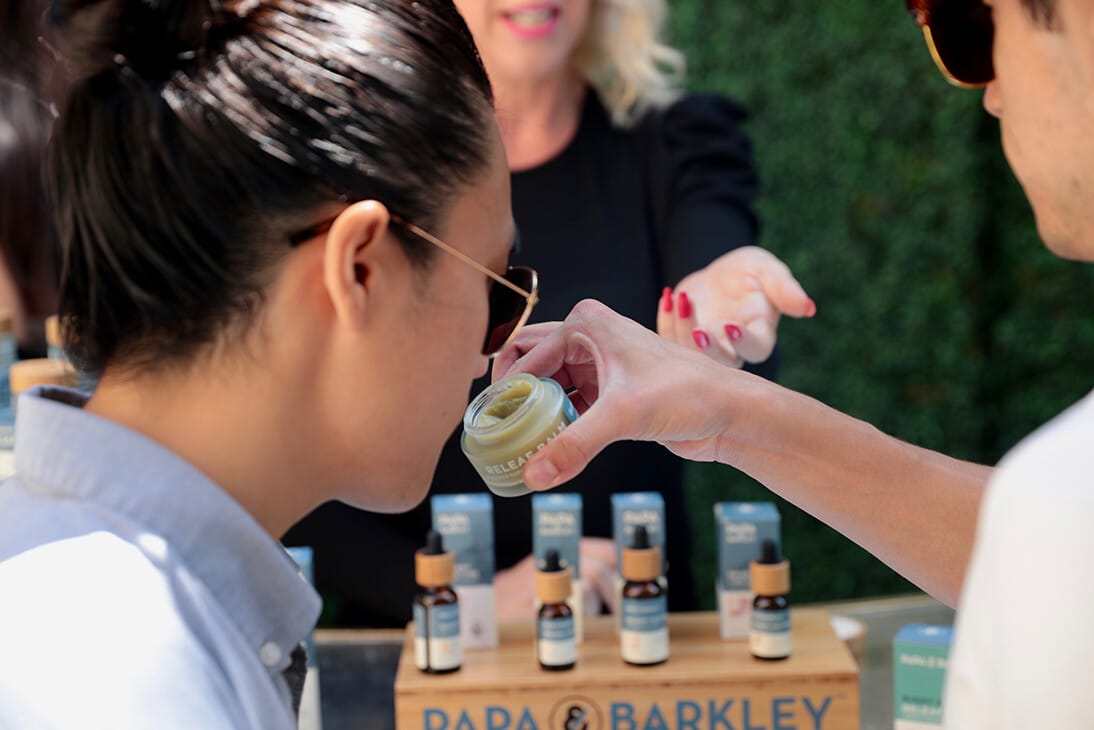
[(311, 717), (466, 522), (8, 356), (630, 509), (557, 525), (920, 656), (7, 443), (637, 508), (740, 529)]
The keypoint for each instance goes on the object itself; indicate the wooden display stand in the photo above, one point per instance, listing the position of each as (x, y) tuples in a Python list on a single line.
[(707, 684)]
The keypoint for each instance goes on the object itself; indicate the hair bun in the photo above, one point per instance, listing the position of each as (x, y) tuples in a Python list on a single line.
[(149, 37)]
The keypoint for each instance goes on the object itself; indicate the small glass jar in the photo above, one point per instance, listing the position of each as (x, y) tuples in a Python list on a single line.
[(508, 423)]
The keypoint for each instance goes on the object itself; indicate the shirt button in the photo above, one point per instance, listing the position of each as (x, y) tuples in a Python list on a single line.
[(270, 654)]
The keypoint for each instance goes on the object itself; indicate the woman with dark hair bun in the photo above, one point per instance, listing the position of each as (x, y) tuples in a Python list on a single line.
[(285, 226)]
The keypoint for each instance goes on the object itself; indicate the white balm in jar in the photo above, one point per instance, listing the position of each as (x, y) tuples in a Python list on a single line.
[(508, 423)]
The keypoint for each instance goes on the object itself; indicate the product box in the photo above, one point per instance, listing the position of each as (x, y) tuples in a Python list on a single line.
[(740, 529), (556, 524), (920, 656), (466, 522), (310, 717)]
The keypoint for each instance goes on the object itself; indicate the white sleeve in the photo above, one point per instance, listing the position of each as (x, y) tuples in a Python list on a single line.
[(76, 656), (76, 693), (1024, 645)]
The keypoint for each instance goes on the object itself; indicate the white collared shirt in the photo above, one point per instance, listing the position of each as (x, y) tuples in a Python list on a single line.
[(134, 592)]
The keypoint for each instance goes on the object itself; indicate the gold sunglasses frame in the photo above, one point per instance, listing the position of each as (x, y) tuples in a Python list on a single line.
[(531, 298), (922, 15)]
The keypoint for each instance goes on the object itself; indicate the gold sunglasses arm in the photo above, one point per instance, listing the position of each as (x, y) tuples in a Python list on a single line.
[(461, 256)]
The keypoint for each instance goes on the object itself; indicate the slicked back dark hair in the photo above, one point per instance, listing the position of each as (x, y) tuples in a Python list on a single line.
[(198, 134)]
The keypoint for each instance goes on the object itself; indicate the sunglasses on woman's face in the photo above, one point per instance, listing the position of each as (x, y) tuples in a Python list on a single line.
[(959, 35), (511, 296)]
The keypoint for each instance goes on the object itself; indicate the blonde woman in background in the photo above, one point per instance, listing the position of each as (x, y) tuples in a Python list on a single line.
[(625, 190)]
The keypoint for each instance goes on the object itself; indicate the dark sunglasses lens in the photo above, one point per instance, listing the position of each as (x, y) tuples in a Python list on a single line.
[(963, 32), (506, 309)]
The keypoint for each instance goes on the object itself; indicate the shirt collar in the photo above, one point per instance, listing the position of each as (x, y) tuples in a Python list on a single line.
[(65, 452)]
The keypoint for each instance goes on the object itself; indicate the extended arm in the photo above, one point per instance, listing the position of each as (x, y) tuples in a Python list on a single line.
[(915, 509)]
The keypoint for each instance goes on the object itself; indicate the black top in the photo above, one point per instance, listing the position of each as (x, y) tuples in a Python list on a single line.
[(616, 216)]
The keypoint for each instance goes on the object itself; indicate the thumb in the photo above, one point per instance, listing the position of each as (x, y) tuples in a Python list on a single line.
[(566, 455), (758, 342), (784, 291)]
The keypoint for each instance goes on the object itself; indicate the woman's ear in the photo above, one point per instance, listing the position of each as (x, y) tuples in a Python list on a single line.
[(347, 259)]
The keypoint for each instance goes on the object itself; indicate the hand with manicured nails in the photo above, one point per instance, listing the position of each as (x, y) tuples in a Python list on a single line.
[(730, 309), (628, 383)]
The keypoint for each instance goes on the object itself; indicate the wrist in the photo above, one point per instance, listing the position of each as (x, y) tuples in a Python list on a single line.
[(751, 406)]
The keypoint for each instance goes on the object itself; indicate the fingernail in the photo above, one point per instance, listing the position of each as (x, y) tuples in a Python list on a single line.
[(683, 307), (733, 332), (540, 473), (811, 311), (702, 339), (666, 299)]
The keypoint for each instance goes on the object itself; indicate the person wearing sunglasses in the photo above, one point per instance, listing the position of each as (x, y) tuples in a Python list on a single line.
[(1011, 546), (626, 190), (287, 280)]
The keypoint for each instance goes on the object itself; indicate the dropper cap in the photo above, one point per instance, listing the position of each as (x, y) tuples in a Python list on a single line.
[(554, 580), (770, 574), (641, 561), (433, 567)]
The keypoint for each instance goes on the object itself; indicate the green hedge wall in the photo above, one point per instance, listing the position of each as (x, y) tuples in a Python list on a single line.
[(941, 318)]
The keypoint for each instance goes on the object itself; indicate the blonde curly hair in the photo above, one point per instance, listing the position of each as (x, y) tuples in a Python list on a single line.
[(623, 58)]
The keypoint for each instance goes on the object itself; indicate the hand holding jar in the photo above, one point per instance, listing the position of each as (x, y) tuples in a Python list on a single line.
[(630, 384), (644, 387)]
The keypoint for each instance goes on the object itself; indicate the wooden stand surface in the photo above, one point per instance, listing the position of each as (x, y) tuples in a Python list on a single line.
[(707, 683)]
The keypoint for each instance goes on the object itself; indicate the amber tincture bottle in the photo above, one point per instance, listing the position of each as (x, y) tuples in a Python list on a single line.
[(436, 610), (556, 642), (644, 627), (770, 634)]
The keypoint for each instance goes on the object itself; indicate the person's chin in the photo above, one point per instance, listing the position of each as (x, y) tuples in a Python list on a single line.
[(1064, 242), (1070, 252), (408, 494), (535, 64)]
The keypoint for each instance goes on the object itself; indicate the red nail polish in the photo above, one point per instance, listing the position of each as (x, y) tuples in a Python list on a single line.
[(733, 332), (683, 307), (666, 299), (702, 339)]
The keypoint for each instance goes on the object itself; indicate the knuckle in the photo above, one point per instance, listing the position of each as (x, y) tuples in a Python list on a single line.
[(589, 308)]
